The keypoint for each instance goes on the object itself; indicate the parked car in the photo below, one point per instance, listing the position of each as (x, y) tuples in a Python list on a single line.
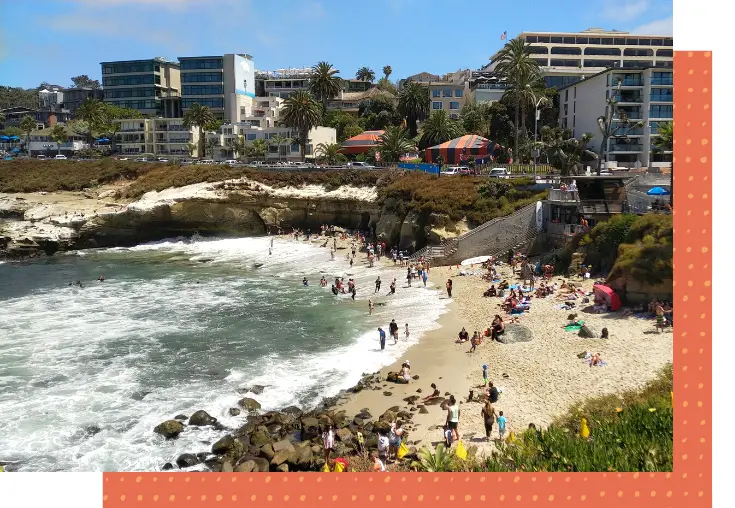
[(60, 157), (141, 159), (161, 159), (360, 165), (450, 171), (499, 173), (41, 157), (231, 162)]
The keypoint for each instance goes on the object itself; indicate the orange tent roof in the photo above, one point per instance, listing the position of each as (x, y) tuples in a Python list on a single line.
[(361, 143)]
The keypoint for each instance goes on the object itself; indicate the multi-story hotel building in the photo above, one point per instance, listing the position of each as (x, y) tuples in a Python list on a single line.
[(282, 82), (644, 94), (157, 136), (567, 57), (225, 84), (140, 84)]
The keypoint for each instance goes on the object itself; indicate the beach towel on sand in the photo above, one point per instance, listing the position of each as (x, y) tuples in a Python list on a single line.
[(574, 328)]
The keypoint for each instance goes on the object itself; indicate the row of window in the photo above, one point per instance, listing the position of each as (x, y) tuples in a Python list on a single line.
[(661, 111), (662, 94), (447, 92), (202, 90), (440, 105), (121, 93), (211, 103), (120, 68), (560, 81), (608, 41), (201, 63), (142, 79), (543, 50), (201, 77), (141, 104)]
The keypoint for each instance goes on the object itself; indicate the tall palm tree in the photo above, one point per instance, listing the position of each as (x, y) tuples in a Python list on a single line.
[(394, 143), (278, 140), (439, 128), (365, 74), (199, 116), (329, 153), (301, 113), (413, 104), (325, 84), (28, 125), (387, 71), (516, 64), (664, 142), (95, 113), (611, 128), (58, 134)]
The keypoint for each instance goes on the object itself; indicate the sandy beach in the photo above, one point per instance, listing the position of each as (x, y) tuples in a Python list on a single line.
[(539, 380)]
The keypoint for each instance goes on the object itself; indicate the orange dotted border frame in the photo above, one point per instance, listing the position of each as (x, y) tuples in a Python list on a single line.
[(689, 483)]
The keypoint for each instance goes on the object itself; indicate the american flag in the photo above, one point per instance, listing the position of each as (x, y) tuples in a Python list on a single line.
[(504, 36)]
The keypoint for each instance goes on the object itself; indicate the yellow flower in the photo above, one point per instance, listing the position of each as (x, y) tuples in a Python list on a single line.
[(652, 409)]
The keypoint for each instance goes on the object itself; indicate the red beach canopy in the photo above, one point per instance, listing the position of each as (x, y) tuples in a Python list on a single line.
[(460, 149), (361, 143), (609, 296)]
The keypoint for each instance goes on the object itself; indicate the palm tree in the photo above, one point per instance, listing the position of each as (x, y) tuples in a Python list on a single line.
[(28, 125), (94, 112), (387, 71), (564, 151), (259, 148), (58, 134), (198, 116), (301, 113), (663, 141), (329, 153), (439, 128), (516, 64), (235, 145), (212, 143), (394, 143), (325, 84), (365, 74), (413, 104), (278, 140), (618, 129)]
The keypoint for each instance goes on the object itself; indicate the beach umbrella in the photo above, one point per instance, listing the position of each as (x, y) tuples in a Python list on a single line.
[(658, 191), (4, 138), (14, 138), (476, 260)]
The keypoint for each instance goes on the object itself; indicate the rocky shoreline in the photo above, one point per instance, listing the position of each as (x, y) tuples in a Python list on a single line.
[(290, 439)]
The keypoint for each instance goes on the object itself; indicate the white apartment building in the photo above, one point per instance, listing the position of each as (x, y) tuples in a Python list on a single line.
[(225, 84), (645, 95), (157, 136), (282, 82), (265, 112), (449, 92), (41, 143), (230, 133), (566, 57)]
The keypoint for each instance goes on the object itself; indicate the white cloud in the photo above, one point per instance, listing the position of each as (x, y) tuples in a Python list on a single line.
[(626, 10), (657, 27)]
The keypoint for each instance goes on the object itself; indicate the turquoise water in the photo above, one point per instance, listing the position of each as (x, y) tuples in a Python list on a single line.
[(174, 328)]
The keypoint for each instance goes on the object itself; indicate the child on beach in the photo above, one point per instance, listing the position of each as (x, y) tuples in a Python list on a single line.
[(378, 465), (370, 307), (484, 376), (328, 442), (447, 436), (501, 425), (383, 445), (406, 333)]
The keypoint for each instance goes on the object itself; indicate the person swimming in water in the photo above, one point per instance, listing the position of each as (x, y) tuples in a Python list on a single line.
[(334, 290), (305, 282)]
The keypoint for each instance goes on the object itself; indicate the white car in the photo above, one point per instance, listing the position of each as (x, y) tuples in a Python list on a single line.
[(499, 173), (361, 165), (60, 157), (450, 171), (162, 160)]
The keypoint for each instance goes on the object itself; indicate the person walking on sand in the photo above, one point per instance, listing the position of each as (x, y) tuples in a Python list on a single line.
[(449, 288), (501, 425), (377, 284), (392, 287), (453, 417), (370, 307), (660, 318), (408, 277), (424, 276), (488, 416), (381, 338)]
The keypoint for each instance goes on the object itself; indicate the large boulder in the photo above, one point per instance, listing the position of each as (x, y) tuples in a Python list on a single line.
[(234, 411), (228, 445), (588, 332), (187, 460), (292, 410), (247, 467), (280, 457), (309, 428), (267, 451), (515, 333), (301, 457), (284, 444), (344, 434), (202, 419), (170, 429), (381, 426), (249, 404), (260, 437), (260, 465)]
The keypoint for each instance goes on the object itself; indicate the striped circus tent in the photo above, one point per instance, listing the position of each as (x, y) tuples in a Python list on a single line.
[(461, 149), (361, 143)]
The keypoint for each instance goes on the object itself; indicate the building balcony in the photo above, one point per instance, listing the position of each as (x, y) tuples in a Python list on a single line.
[(629, 98), (625, 147), (661, 98), (626, 82), (563, 195), (668, 81)]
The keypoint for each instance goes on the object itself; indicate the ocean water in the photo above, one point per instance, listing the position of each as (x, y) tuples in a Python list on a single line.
[(87, 372)]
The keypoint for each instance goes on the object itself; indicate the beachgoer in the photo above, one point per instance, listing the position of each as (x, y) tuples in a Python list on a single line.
[(393, 328), (378, 465), (434, 394), (492, 393), (453, 417), (463, 336), (101, 278), (377, 284), (381, 335), (424, 277), (354, 292), (447, 436), (405, 375), (474, 341), (660, 318), (449, 288), (328, 442), (498, 327), (370, 307), (406, 333), (394, 438), (305, 282), (383, 446), (488, 417), (484, 376), (501, 425), (409, 277), (392, 287)]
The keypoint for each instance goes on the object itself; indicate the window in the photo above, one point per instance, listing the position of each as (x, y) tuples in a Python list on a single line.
[(531, 38), (436, 93), (447, 92), (251, 137), (644, 42), (121, 93), (662, 78), (566, 109), (202, 90), (665, 63), (201, 77), (594, 40), (665, 52), (638, 52), (203, 63), (454, 105), (141, 79), (602, 51), (601, 63), (538, 50), (543, 39), (661, 111), (212, 103), (638, 64), (569, 40), (566, 51), (608, 41), (566, 95), (459, 93), (127, 67), (662, 94), (581, 40), (565, 63), (542, 61), (436, 105), (560, 81), (136, 104), (556, 39)]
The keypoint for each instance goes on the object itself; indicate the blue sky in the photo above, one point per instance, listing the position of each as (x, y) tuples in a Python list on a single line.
[(53, 40)]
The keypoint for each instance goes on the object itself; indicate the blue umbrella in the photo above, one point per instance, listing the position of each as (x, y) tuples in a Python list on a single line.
[(14, 138), (4, 138), (658, 191)]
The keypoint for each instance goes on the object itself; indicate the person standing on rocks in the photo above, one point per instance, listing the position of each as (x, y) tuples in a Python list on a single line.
[(328, 442), (381, 338)]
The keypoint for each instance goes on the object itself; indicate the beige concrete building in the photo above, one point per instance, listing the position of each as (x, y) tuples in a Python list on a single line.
[(645, 95), (140, 84), (449, 92), (229, 133), (157, 136)]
